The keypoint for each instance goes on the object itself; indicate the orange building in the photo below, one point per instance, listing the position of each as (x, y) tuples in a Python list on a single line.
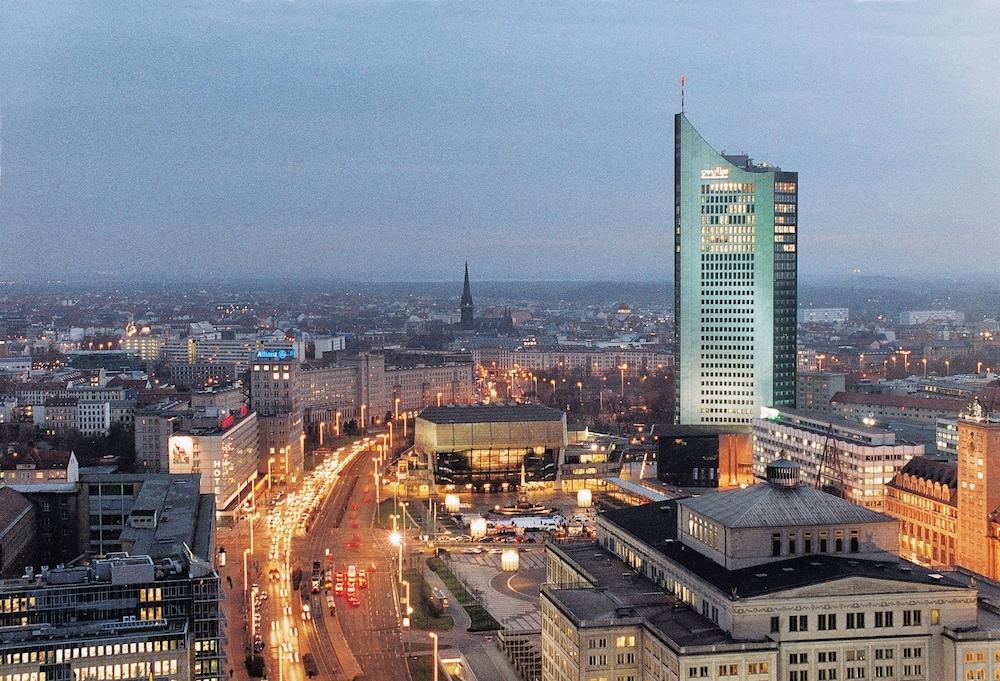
[(923, 496), (978, 489)]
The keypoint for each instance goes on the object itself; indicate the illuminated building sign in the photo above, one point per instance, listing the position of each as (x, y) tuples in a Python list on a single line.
[(282, 354), (716, 173), (181, 454)]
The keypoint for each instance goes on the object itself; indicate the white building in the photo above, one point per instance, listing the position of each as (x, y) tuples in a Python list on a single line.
[(778, 581), (824, 315), (917, 317), (861, 459)]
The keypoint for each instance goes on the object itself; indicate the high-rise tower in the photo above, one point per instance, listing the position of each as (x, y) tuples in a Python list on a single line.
[(468, 322), (735, 280)]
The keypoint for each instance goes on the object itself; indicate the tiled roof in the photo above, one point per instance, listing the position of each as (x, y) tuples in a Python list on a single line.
[(935, 470)]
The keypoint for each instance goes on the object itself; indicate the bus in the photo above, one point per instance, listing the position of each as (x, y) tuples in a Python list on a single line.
[(317, 577)]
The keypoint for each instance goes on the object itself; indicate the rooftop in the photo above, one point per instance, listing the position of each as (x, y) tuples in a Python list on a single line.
[(902, 401), (619, 593), (656, 525), (174, 509), (486, 413)]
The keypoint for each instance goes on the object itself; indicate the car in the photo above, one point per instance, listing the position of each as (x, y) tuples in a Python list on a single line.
[(351, 590), (338, 588), (306, 613), (354, 601), (310, 665), (263, 595), (331, 604), (340, 577)]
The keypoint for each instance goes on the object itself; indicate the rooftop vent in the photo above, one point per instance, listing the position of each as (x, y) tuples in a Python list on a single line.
[(783, 473)]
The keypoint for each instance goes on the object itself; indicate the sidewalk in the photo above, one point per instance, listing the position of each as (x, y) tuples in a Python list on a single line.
[(485, 661)]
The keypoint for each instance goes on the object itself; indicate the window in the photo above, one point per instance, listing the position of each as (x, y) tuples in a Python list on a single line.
[(883, 619), (798, 623), (855, 620), (911, 618), (935, 616), (798, 658), (776, 544), (729, 670), (775, 625), (827, 622), (757, 668)]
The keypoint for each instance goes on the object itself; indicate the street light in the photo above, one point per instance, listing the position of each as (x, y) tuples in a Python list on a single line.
[(390, 436), (396, 539), (337, 416), (322, 424), (947, 367), (439, 399), (434, 637), (396, 408), (622, 368), (363, 429)]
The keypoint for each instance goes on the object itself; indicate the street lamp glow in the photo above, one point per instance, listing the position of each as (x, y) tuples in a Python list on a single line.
[(395, 538)]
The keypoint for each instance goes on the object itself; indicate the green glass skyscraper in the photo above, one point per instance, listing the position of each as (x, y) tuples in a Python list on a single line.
[(735, 281)]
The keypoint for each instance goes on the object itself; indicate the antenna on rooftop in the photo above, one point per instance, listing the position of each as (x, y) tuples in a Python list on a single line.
[(683, 83)]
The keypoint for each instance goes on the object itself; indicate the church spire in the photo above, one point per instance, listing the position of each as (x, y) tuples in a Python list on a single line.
[(468, 311)]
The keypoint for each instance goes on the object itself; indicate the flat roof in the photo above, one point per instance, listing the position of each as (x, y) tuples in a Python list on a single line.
[(619, 593), (487, 413)]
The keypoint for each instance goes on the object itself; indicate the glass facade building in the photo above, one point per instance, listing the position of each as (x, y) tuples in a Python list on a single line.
[(735, 282)]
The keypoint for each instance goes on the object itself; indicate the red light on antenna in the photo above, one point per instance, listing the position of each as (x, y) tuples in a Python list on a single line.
[(683, 80)]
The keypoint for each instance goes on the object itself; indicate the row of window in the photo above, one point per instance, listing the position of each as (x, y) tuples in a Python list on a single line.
[(883, 619)]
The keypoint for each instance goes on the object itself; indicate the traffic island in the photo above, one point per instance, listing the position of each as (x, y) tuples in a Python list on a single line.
[(481, 619)]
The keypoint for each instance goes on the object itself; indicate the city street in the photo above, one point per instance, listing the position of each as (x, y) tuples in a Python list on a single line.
[(329, 519)]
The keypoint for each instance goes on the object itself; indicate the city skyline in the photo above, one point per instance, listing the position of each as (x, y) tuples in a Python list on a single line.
[(536, 134)]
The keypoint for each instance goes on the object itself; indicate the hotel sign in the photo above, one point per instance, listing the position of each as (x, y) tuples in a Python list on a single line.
[(716, 173)]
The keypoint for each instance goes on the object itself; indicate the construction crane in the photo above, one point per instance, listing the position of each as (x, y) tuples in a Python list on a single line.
[(830, 459)]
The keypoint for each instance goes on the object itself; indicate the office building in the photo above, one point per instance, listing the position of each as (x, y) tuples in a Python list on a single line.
[(153, 616), (824, 315), (849, 458), (631, 361), (486, 447), (815, 389), (917, 317), (979, 489), (154, 424), (885, 408), (777, 581), (276, 393), (146, 346), (735, 299), (704, 456)]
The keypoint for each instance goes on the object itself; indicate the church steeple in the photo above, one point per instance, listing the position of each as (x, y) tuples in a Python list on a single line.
[(468, 311)]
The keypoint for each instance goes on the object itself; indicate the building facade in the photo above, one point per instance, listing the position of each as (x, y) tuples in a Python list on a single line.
[(923, 496), (225, 456), (735, 282), (852, 459), (778, 581), (485, 447), (815, 389)]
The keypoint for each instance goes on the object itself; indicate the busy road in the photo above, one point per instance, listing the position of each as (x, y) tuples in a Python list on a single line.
[(329, 607)]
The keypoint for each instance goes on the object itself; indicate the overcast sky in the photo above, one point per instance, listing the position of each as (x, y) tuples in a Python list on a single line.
[(394, 140)]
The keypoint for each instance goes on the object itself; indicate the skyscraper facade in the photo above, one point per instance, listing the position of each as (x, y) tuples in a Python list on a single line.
[(735, 280)]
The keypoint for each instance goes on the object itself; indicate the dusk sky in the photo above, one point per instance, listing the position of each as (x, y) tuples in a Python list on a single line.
[(395, 140)]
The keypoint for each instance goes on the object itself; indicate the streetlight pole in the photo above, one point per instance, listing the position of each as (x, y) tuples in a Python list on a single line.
[(337, 417), (363, 429), (434, 637), (321, 426), (390, 436), (396, 405)]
